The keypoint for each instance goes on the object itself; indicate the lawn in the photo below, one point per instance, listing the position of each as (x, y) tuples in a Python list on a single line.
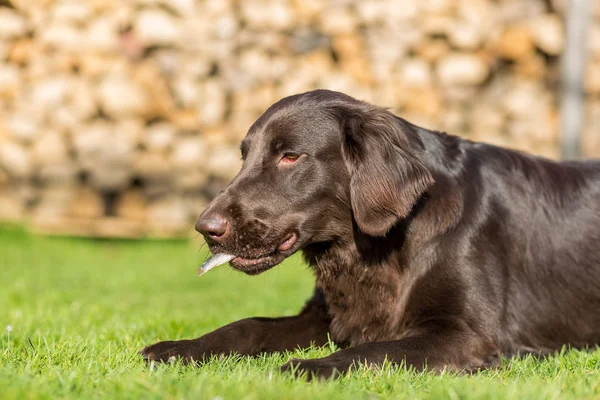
[(74, 313)]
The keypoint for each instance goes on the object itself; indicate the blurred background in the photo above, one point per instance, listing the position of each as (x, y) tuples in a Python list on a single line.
[(123, 118)]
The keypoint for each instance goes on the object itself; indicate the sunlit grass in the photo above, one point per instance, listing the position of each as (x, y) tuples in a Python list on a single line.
[(77, 312)]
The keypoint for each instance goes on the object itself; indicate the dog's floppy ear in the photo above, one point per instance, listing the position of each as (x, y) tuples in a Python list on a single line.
[(387, 177)]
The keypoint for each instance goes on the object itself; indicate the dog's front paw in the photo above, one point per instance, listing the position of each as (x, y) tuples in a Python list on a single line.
[(319, 368), (185, 350)]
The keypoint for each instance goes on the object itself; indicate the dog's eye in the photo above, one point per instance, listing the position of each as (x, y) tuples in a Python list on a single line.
[(290, 158)]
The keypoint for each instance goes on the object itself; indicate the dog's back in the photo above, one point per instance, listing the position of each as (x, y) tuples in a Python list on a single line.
[(543, 228)]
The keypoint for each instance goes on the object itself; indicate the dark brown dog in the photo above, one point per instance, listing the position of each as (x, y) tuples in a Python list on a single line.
[(427, 249)]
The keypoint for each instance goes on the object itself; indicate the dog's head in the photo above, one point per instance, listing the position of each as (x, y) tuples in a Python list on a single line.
[(315, 165)]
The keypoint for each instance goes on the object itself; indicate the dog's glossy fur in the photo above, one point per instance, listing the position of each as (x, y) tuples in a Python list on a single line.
[(427, 249)]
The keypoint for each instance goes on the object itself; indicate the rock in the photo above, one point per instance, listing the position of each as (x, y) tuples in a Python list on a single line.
[(120, 96), (111, 169), (50, 93), (279, 15), (486, 119), (437, 25), (515, 42), (159, 137), (217, 7), (183, 7), (255, 63), (160, 100), (12, 25), (213, 104), (5, 49), (59, 174), (185, 89), (593, 39), (436, 7), (152, 167), (105, 155), (460, 94), (525, 99), (547, 33), (348, 46), (23, 124), (264, 96), (4, 179), (102, 35), (225, 27), (97, 66), (307, 40), (526, 132), (199, 26), (592, 78), (251, 13), (425, 102), (72, 11), (110, 178), (224, 162), (39, 67), (195, 203), (131, 205), (10, 80), (12, 208), (131, 131), (591, 139), (340, 20), (90, 139), (415, 73), (432, 50), (170, 62), (184, 120), (398, 15), (532, 66), (16, 160), (154, 27), (22, 51), (83, 102), (309, 10), (64, 119), (189, 153), (453, 121), (260, 14), (49, 148), (559, 6), (371, 12), (465, 36), (340, 82), (168, 213), (86, 204), (62, 36), (190, 180), (53, 203), (462, 69), (114, 90), (518, 10)]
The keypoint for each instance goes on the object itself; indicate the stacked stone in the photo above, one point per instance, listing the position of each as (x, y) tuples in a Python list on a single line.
[(124, 117)]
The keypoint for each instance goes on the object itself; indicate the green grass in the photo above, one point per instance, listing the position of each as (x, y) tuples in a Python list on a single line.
[(80, 310)]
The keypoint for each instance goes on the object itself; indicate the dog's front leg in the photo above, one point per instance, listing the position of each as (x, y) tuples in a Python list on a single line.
[(250, 336)]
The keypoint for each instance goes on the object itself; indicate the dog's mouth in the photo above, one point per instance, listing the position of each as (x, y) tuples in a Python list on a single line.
[(254, 265)]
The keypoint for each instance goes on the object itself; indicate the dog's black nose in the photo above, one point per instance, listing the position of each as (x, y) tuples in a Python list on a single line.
[(214, 227)]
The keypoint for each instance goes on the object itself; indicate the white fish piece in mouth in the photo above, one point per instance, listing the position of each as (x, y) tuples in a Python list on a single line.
[(214, 261)]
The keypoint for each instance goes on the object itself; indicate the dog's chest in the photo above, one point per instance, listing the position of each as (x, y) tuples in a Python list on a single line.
[(364, 303)]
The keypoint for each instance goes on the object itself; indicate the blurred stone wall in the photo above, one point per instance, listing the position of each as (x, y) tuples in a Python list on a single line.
[(131, 111)]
